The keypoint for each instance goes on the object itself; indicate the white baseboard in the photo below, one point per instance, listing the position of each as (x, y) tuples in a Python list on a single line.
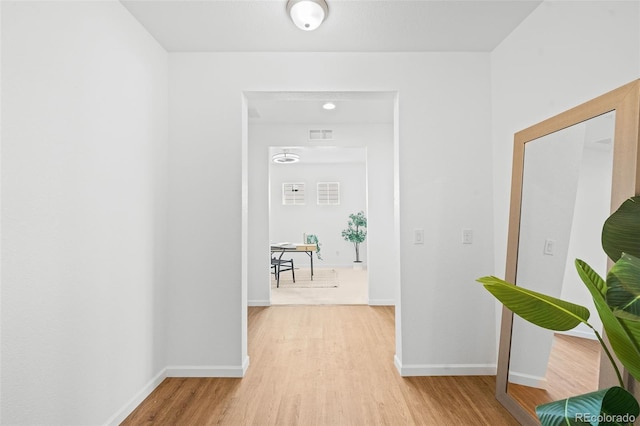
[(176, 371), (444, 369), (258, 303), (528, 380), (128, 408), (398, 364), (382, 302), (245, 365), (576, 332), (208, 370)]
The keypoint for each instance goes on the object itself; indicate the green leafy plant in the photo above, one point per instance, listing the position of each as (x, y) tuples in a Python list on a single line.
[(313, 239), (356, 231), (617, 301)]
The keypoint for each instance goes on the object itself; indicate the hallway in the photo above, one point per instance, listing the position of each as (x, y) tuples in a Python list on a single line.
[(323, 365)]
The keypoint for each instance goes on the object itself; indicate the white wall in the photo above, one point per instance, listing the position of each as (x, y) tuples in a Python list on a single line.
[(84, 152), (1, 239), (565, 53), (377, 251), (445, 186)]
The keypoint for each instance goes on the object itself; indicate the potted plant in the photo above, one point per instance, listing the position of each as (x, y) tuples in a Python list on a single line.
[(617, 301), (313, 239), (356, 232)]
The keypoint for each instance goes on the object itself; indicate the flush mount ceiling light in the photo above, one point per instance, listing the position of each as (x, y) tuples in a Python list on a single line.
[(307, 14), (285, 158), (329, 106)]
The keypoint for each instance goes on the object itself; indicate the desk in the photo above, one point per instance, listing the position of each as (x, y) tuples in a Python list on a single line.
[(295, 248)]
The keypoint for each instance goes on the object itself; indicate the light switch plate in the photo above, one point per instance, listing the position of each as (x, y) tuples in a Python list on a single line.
[(549, 247), (467, 236), (418, 236)]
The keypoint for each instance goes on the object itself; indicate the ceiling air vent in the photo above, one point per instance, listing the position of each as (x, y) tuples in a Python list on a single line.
[(320, 135)]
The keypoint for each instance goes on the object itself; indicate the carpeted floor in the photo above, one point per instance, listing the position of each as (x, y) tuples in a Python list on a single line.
[(351, 287), (322, 278)]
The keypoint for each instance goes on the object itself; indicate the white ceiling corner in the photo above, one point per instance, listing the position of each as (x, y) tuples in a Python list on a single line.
[(351, 25)]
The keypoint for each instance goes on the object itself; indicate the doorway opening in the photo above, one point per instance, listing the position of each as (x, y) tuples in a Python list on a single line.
[(361, 122), (310, 204), (297, 119)]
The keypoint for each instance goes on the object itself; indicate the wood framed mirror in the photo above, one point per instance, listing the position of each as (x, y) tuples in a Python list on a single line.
[(569, 173)]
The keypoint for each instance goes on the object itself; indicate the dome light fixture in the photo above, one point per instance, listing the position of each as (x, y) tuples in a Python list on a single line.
[(329, 106), (285, 158), (307, 14)]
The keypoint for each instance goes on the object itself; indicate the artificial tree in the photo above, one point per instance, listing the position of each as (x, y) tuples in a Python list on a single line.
[(356, 231)]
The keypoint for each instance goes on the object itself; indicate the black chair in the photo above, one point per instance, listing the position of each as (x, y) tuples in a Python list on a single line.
[(282, 265)]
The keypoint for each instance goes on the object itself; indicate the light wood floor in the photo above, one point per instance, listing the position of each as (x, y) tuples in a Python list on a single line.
[(574, 364), (323, 365)]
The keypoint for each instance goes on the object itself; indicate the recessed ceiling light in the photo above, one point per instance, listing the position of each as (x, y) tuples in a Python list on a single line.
[(285, 158), (329, 106)]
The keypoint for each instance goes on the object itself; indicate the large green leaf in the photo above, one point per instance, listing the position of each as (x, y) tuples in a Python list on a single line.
[(623, 281), (624, 346), (621, 231), (613, 406), (537, 308), (623, 295), (631, 324), (596, 283)]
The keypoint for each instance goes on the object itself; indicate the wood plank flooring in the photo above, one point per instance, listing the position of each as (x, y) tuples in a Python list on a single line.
[(574, 364), (322, 365)]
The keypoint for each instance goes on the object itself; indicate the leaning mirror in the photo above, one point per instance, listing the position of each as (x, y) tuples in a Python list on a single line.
[(569, 173)]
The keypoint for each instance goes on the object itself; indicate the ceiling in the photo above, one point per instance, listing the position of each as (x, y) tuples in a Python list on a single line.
[(306, 107), (351, 25), (300, 112)]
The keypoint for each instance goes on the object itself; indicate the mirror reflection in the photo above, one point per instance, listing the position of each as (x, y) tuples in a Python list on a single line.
[(566, 196)]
